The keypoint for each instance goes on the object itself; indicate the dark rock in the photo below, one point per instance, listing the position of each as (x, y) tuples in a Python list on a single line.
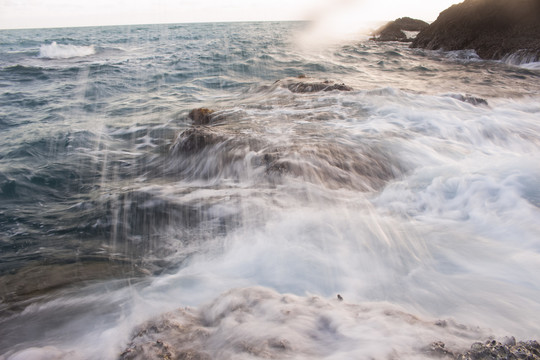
[(339, 297), (394, 30), (476, 101), (390, 33), (302, 84), (493, 28), (201, 116), (409, 24)]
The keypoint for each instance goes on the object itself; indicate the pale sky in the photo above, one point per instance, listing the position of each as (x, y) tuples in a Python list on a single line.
[(62, 13)]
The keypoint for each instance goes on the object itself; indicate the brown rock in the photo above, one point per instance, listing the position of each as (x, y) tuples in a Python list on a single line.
[(201, 116)]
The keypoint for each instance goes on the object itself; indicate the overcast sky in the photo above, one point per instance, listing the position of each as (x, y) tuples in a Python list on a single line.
[(62, 13)]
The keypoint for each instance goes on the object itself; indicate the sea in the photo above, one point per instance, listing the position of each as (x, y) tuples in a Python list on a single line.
[(129, 231)]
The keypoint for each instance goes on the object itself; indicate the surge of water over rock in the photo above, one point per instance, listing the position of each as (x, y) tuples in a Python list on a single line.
[(411, 191)]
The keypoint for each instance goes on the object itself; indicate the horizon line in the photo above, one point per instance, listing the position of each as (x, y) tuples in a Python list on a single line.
[(147, 24), (167, 23)]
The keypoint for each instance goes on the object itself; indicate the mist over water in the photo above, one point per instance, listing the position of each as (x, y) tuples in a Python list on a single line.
[(408, 196)]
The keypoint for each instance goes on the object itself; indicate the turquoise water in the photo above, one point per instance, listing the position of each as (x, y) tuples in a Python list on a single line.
[(398, 195)]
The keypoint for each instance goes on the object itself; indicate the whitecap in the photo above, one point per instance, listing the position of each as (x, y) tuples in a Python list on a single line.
[(531, 65), (61, 51)]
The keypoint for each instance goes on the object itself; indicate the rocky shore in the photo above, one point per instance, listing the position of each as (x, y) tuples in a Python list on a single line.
[(495, 29), (258, 323)]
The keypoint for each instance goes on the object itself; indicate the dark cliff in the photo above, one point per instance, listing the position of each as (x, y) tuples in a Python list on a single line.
[(493, 28)]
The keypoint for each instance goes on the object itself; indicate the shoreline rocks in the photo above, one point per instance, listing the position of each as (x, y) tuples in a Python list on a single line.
[(493, 28), (395, 30), (303, 84), (509, 349), (229, 327)]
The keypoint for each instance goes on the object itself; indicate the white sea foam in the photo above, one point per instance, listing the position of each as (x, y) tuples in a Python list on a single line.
[(523, 59), (454, 237), (61, 51), (261, 323), (462, 55), (531, 65)]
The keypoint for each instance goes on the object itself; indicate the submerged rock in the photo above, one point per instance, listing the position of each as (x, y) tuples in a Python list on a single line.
[(196, 139), (394, 30), (206, 152), (476, 101), (493, 28), (303, 84), (366, 168)]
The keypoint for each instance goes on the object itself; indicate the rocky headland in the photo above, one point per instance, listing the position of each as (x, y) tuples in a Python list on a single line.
[(493, 28), (396, 30)]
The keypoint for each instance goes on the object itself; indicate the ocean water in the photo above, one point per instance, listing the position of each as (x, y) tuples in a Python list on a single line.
[(127, 231)]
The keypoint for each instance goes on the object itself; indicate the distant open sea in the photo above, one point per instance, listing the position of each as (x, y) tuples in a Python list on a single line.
[(415, 196)]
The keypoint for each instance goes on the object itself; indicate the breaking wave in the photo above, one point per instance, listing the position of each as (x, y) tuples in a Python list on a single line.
[(523, 59), (61, 51)]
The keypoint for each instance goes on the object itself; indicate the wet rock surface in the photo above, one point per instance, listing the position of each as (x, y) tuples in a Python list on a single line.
[(508, 349), (198, 334), (258, 323), (493, 28), (184, 335), (211, 151), (473, 100), (303, 84), (197, 139), (394, 30), (23, 284)]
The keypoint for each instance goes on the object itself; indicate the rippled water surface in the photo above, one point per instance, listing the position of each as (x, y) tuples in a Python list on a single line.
[(414, 196)]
